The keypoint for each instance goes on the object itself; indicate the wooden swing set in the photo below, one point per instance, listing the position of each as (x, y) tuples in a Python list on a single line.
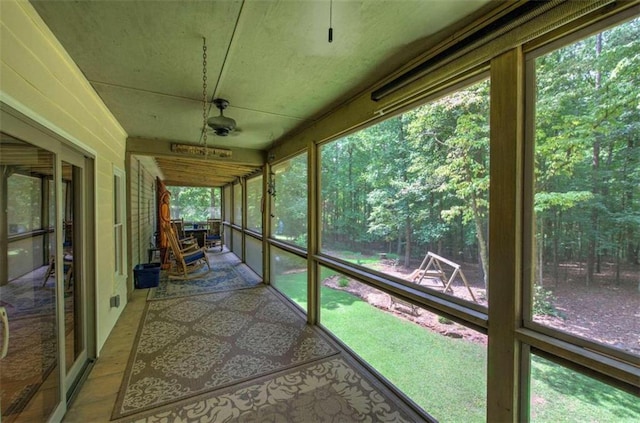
[(432, 268)]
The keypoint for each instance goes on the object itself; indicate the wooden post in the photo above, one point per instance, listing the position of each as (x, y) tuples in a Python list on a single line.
[(466, 283), (266, 225), (505, 310), (5, 171), (313, 230)]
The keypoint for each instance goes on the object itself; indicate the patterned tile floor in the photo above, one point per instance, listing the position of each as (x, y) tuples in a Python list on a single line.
[(191, 345), (337, 381)]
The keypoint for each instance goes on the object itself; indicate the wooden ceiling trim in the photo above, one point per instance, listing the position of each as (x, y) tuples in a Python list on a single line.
[(201, 183), (199, 172), (190, 172), (205, 163), (162, 149), (206, 170), (195, 176)]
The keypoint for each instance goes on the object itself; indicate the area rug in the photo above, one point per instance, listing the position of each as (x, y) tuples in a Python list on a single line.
[(26, 296), (32, 356), (227, 273), (334, 389), (191, 345)]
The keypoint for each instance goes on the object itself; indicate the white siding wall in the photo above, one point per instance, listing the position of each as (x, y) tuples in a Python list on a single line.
[(143, 211), (39, 79)]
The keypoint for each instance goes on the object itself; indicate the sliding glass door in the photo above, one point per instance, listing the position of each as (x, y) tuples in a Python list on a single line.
[(29, 372), (44, 307), (73, 281)]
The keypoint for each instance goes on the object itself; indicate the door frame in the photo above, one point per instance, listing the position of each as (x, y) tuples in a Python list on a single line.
[(86, 222), (43, 134)]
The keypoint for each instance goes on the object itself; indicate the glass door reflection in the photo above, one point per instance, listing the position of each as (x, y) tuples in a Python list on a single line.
[(29, 375), (72, 280)]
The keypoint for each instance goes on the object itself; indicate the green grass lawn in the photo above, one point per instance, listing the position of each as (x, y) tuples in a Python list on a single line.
[(447, 377), (370, 261), (562, 395)]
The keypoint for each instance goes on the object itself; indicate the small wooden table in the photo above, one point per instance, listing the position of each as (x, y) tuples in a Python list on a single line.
[(197, 233)]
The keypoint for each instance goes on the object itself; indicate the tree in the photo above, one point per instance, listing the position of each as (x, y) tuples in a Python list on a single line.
[(290, 206), (586, 126), (459, 124), (195, 204), (393, 198)]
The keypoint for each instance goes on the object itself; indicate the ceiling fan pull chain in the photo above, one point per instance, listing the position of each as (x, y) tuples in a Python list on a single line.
[(204, 94), (330, 21)]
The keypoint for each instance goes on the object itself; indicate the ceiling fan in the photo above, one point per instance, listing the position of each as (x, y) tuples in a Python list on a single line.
[(221, 125)]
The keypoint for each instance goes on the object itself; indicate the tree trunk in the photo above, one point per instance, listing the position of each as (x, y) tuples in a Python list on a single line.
[(482, 245), (555, 234), (618, 258), (484, 256), (541, 252), (407, 249), (460, 253), (480, 237), (593, 232), (350, 190)]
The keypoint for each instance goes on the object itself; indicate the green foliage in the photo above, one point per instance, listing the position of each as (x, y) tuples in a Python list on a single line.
[(399, 181), (408, 355), (290, 203), (23, 207), (560, 200), (543, 302), (283, 262), (254, 204), (443, 320), (343, 282), (195, 204), (301, 239), (587, 154), (420, 181)]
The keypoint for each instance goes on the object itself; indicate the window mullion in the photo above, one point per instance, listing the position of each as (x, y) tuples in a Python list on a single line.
[(505, 198)]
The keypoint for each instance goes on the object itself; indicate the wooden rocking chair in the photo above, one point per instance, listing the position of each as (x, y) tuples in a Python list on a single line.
[(178, 229), (213, 237), (186, 261)]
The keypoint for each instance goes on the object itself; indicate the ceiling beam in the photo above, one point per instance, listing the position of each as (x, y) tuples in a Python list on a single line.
[(180, 161), (200, 167), (162, 149), (206, 184)]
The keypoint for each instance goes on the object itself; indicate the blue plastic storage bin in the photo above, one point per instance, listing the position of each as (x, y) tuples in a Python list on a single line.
[(146, 275)]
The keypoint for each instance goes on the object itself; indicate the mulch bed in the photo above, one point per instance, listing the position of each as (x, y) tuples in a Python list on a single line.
[(604, 312)]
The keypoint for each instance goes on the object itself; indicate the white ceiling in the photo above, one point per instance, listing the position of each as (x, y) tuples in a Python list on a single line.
[(270, 59)]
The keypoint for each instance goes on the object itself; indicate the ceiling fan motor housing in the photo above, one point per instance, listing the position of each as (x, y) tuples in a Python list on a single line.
[(221, 132), (221, 124)]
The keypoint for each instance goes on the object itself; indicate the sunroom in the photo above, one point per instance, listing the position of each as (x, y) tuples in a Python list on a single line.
[(445, 194)]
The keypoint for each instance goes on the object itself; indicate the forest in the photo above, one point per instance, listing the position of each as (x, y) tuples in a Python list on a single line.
[(419, 182), (195, 204)]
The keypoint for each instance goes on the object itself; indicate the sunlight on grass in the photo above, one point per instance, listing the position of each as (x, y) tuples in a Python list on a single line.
[(439, 374), (437, 380), (293, 285), (288, 269), (444, 376), (447, 377), (560, 394), (369, 261)]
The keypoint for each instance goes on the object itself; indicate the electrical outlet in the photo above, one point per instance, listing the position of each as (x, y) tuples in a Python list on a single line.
[(115, 301)]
